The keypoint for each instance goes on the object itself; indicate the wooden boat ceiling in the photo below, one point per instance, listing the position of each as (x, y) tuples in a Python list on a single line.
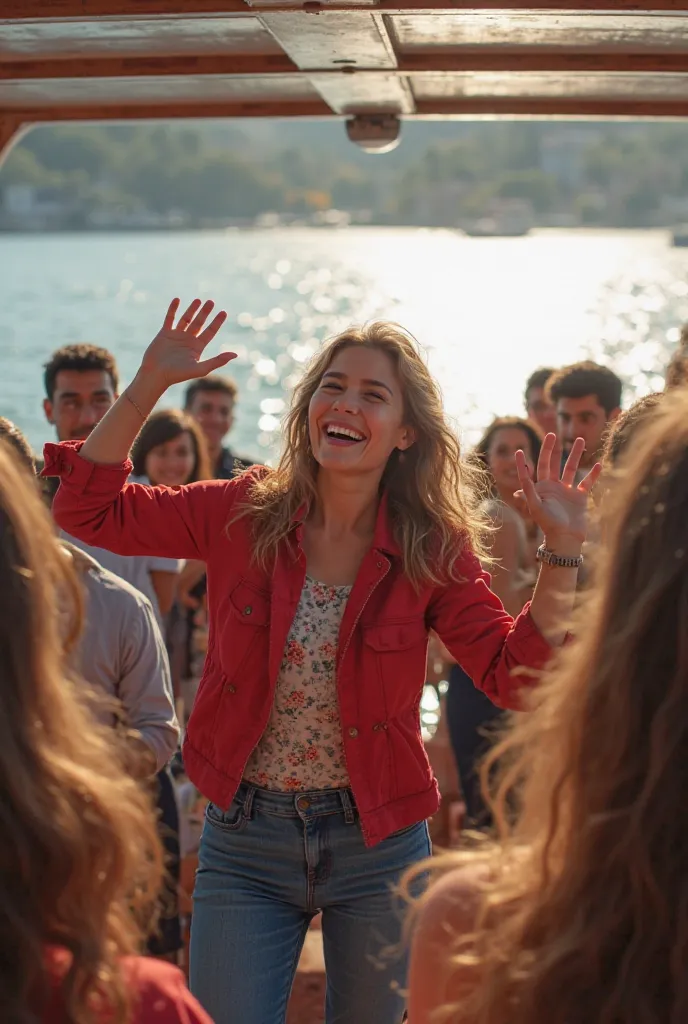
[(95, 59)]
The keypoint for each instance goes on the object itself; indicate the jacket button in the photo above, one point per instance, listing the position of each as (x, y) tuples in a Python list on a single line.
[(379, 565), (231, 688), (248, 609), (353, 732)]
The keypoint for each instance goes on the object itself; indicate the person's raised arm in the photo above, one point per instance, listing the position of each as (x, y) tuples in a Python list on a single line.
[(94, 501), (559, 507), (498, 652), (174, 356)]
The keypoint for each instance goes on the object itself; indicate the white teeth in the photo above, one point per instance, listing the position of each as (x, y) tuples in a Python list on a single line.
[(344, 432)]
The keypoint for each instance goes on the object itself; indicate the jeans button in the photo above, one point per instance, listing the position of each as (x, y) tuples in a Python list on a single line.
[(303, 803)]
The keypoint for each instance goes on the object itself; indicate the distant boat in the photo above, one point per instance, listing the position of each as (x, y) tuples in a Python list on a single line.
[(679, 236), (511, 218), (498, 227)]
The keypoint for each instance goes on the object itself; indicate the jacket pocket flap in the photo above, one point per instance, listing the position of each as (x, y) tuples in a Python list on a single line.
[(396, 636), (250, 605)]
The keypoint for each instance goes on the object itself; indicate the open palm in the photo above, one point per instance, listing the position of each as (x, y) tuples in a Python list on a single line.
[(174, 355), (555, 502)]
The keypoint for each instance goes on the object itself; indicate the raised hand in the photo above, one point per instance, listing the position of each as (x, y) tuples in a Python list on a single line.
[(174, 355), (555, 502)]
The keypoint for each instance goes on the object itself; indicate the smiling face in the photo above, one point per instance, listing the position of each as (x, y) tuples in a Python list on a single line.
[(80, 400), (214, 413), (356, 415), (501, 457), (173, 462)]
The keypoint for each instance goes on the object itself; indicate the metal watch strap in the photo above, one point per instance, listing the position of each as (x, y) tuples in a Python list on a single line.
[(548, 557)]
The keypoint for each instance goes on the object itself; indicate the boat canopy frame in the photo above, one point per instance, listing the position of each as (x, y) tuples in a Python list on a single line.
[(77, 60)]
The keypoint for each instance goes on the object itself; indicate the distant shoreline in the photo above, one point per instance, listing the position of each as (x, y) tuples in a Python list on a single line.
[(583, 229)]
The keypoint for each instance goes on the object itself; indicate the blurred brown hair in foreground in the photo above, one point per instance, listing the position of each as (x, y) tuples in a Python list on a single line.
[(624, 429), (578, 910), (80, 861)]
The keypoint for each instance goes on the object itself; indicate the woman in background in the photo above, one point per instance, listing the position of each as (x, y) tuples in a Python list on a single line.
[(170, 450), (80, 861), (578, 912), (512, 545)]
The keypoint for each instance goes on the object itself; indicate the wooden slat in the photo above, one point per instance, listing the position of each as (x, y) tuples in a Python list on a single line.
[(564, 30), (209, 89), (135, 37), (556, 107), (511, 107), (127, 67), (500, 60), (570, 87), (51, 9), (177, 110), (535, 60)]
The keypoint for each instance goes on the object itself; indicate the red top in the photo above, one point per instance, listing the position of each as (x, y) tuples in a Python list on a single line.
[(157, 991), (381, 663)]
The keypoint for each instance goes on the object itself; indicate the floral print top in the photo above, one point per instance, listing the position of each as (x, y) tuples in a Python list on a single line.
[(302, 746)]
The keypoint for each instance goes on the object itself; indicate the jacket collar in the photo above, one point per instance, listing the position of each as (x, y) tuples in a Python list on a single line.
[(383, 538)]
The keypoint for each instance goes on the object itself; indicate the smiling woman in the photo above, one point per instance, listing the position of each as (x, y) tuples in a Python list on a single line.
[(171, 450), (325, 576), (371, 382)]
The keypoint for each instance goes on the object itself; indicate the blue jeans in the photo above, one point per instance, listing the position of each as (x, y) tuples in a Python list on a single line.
[(266, 867)]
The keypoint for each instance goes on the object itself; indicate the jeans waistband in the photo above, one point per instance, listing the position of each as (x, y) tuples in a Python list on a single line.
[(309, 804)]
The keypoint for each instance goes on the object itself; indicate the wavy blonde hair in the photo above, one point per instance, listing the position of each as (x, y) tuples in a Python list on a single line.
[(433, 491), (80, 860), (583, 899)]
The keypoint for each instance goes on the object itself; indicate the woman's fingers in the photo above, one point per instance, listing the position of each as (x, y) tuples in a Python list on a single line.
[(568, 477), (213, 327), (528, 491), (201, 316), (168, 322), (207, 366), (544, 466), (188, 314), (591, 478)]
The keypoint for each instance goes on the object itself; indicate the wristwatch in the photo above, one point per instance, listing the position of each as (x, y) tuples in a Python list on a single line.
[(548, 557)]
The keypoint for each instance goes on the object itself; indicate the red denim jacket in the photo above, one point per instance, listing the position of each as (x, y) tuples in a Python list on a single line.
[(383, 637)]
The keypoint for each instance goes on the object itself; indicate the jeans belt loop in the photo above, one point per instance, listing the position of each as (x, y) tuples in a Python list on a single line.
[(248, 802), (348, 808)]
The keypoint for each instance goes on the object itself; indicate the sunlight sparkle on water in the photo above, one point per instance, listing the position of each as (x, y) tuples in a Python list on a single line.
[(486, 311)]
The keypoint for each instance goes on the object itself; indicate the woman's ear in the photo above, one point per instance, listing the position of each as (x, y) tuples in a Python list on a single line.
[(408, 438)]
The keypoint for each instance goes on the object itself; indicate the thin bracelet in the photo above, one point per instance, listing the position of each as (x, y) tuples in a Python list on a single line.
[(128, 396)]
